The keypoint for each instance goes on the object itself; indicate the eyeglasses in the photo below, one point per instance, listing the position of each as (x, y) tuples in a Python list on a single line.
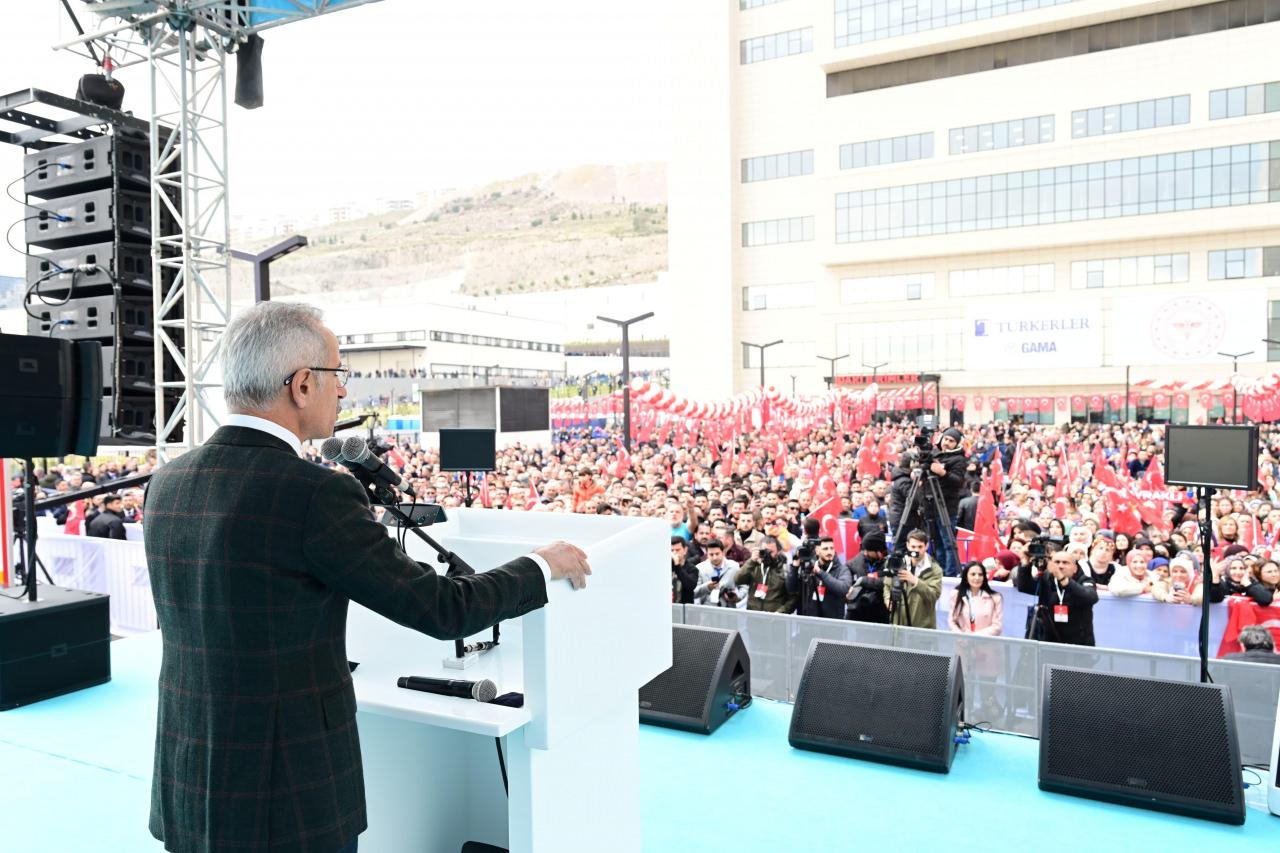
[(342, 373)]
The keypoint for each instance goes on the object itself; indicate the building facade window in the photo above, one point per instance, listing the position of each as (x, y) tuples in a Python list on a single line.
[(491, 341), (906, 345), (886, 288), (488, 372), (859, 21), (789, 354), (996, 281), (893, 149), (761, 297), (772, 166), (1135, 115), (1273, 330), (768, 232), (1226, 176), (1130, 272), (1013, 133), (1256, 262), (1244, 100), (1092, 38), (755, 4), (775, 46)]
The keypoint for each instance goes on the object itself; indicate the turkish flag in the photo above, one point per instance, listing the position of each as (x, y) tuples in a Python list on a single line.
[(867, 464), (1241, 612), (1123, 513), (848, 541), (827, 514)]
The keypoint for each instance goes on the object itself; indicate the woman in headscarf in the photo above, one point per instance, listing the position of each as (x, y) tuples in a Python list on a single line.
[(1182, 586), (1132, 578)]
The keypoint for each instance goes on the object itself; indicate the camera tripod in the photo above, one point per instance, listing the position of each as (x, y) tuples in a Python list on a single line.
[(932, 510)]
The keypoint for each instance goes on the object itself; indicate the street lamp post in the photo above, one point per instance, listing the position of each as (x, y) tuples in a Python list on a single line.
[(793, 385), (262, 264), (831, 381), (1235, 368), (762, 348), (625, 325), (875, 369)]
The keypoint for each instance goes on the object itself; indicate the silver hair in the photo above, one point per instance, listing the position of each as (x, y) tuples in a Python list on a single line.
[(1256, 637), (263, 345)]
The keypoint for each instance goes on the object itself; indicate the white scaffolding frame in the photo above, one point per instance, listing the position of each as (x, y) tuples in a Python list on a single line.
[(185, 44)]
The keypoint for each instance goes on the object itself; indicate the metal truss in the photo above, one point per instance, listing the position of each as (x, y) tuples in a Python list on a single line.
[(185, 43)]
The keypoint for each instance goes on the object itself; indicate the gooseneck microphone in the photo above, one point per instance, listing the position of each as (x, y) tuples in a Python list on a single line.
[(481, 691), (355, 450)]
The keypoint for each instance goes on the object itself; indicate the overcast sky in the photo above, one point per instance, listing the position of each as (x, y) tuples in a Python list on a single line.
[(403, 95)]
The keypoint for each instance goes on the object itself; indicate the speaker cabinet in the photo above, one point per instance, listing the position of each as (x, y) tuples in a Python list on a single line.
[(1167, 745), (56, 645), (709, 681), (891, 705)]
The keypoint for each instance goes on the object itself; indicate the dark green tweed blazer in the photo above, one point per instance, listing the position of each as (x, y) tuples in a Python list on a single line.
[(254, 554)]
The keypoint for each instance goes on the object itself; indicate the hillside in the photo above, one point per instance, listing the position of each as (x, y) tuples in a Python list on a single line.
[(586, 226)]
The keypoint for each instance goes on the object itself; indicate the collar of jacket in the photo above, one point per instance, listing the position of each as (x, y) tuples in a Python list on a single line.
[(247, 437)]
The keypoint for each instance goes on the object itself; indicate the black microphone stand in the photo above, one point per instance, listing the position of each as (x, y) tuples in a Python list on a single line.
[(463, 654)]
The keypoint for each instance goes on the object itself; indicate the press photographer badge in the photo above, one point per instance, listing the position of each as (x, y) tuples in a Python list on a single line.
[(1059, 613), (822, 592), (760, 590)]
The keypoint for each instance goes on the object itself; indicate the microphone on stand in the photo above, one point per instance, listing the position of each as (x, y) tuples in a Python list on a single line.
[(481, 691), (355, 451), (331, 450)]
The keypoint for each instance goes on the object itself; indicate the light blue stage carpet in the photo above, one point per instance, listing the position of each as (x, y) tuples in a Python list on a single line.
[(76, 772), (745, 790)]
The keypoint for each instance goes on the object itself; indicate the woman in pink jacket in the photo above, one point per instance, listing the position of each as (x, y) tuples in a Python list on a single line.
[(975, 607)]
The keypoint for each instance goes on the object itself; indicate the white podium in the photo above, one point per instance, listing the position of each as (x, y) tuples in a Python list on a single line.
[(431, 769)]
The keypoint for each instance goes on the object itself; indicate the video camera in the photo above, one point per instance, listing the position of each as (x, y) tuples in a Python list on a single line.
[(805, 555), (921, 452), (1038, 548)]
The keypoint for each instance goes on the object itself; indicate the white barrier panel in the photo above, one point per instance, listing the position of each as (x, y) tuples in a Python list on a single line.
[(117, 568)]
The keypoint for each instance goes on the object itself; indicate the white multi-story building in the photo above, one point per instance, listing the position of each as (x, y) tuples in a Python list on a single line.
[(1030, 198)]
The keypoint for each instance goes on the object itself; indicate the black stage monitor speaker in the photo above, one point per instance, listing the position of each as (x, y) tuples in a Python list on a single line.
[(56, 645), (467, 450), (891, 705), (1225, 457), (1137, 763), (51, 394), (709, 681)]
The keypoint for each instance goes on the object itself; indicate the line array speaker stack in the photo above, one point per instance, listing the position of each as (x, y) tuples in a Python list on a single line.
[(89, 235), (708, 682), (891, 705), (1169, 745)]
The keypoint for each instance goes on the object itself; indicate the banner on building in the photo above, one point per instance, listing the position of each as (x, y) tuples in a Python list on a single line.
[(1056, 333), (1188, 328)]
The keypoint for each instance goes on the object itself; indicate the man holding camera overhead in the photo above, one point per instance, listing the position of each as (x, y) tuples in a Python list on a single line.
[(1067, 594)]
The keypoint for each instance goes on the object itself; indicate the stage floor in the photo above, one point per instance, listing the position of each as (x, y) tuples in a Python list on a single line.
[(77, 770)]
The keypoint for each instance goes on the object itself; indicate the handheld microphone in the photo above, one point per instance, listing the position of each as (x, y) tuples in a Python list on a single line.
[(355, 450), (331, 450), (481, 691)]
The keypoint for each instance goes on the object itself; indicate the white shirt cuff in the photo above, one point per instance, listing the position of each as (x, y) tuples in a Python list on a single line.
[(542, 564)]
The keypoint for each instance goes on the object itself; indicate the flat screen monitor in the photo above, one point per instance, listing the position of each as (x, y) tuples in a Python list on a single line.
[(1224, 457), (468, 450)]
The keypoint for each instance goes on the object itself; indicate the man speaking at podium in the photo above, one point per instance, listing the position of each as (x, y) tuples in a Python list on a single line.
[(254, 554)]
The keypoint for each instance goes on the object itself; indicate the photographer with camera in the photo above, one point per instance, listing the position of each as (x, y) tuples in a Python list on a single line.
[(818, 576), (919, 466), (765, 579), (865, 600), (1065, 595), (717, 584), (913, 584)]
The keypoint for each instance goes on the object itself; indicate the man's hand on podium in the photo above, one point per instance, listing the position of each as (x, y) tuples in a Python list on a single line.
[(566, 561)]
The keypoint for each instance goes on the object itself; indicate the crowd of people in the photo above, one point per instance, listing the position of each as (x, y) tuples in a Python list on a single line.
[(746, 516)]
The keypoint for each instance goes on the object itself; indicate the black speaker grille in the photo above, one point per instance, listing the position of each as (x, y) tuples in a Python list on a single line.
[(1161, 738), (883, 698), (682, 690)]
